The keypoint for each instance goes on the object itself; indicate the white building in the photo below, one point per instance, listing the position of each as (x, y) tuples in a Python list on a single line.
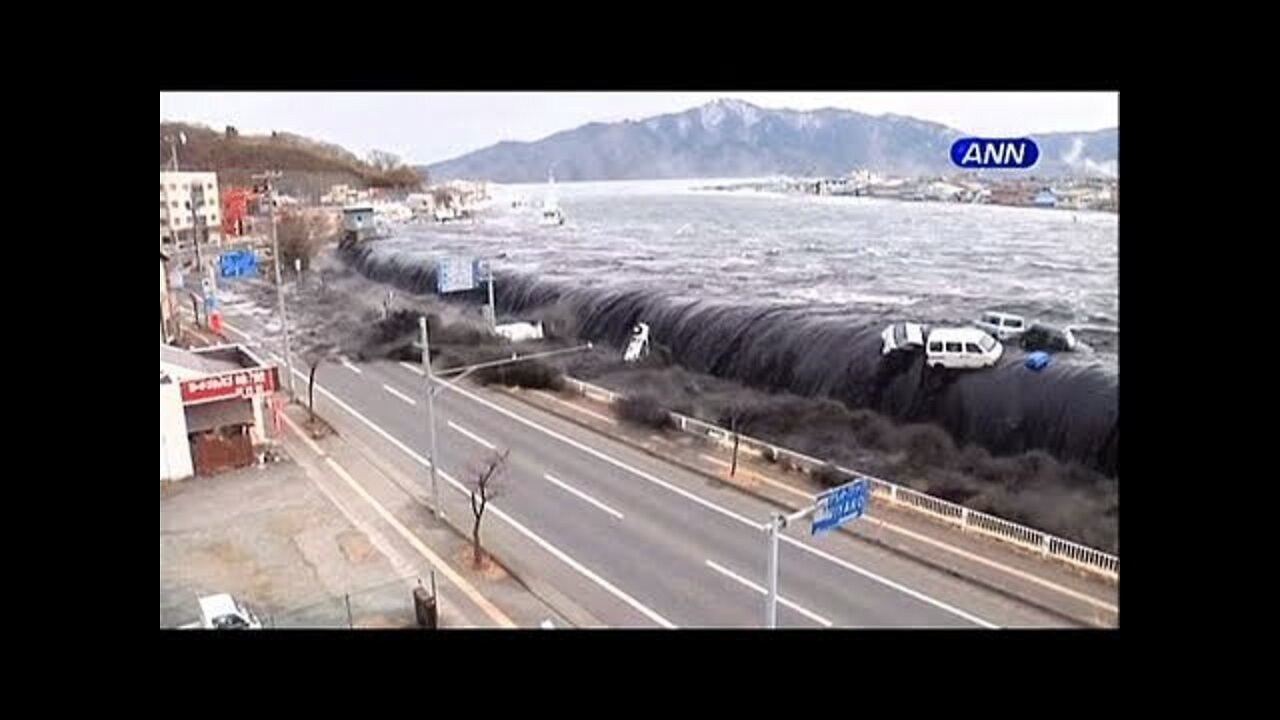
[(216, 405), (345, 195), (189, 201)]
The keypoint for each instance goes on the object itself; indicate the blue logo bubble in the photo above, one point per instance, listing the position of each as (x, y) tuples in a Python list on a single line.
[(979, 153)]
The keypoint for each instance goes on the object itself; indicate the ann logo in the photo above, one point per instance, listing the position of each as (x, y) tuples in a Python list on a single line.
[(975, 153)]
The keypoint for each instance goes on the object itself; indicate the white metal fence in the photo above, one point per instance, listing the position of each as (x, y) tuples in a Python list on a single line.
[(900, 497)]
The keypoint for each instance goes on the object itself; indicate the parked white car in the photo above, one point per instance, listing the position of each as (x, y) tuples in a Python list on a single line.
[(962, 348), (902, 336), (222, 612), (1004, 326)]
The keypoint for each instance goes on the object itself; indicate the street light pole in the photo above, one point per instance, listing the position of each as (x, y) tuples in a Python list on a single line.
[(431, 417), (773, 528), (493, 310), (461, 371), (284, 317)]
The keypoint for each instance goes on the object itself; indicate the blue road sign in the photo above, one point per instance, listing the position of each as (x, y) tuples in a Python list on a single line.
[(837, 505), (455, 275), (238, 263)]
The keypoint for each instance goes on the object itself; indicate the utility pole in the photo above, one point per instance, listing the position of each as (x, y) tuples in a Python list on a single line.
[(195, 237), (284, 317), (493, 310), (431, 417)]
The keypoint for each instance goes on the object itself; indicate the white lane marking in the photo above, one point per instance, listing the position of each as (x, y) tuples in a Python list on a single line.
[(515, 524), (973, 557), (1022, 574), (480, 600), (890, 583), (242, 334), (612, 461), (347, 364), (471, 435), (412, 367), (571, 406), (399, 394), (567, 488), (277, 358), (781, 600), (716, 508)]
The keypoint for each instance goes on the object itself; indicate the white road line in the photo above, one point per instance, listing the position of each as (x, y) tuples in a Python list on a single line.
[(412, 367), (781, 600), (515, 524), (644, 475), (242, 334), (973, 557), (347, 364), (716, 508), (471, 435), (571, 406), (566, 487), (612, 461), (399, 394), (480, 600), (890, 583), (1022, 574)]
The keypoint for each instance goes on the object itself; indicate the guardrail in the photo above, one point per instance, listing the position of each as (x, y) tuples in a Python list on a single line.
[(898, 496)]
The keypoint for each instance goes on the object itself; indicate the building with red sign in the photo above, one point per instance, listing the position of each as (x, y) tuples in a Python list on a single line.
[(213, 402), (235, 211)]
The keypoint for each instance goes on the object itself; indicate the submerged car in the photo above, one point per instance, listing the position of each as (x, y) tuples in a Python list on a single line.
[(902, 336), (1044, 337), (1003, 326), (962, 348)]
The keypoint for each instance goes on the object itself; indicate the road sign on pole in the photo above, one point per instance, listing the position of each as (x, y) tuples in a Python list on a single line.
[(834, 507), (455, 275)]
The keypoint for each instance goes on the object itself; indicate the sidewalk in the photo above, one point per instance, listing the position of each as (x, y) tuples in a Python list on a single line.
[(399, 525), (402, 529), (1004, 569)]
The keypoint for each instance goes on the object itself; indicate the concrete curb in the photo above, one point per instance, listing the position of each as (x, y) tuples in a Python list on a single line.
[(897, 550), (568, 609)]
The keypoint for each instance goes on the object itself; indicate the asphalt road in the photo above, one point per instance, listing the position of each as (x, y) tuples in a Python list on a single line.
[(630, 540)]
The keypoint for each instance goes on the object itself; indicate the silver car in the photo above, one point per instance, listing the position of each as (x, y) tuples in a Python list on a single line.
[(904, 336)]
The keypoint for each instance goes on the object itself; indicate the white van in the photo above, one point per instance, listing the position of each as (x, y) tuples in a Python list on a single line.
[(1004, 326), (962, 348)]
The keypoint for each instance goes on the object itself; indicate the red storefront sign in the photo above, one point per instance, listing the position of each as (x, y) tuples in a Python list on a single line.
[(237, 383)]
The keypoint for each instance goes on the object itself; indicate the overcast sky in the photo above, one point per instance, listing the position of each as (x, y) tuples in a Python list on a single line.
[(429, 127)]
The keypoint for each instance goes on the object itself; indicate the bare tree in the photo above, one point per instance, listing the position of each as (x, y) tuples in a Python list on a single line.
[(484, 488), (314, 356), (301, 234), (383, 160)]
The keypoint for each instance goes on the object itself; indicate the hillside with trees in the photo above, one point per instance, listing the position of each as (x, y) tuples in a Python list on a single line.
[(309, 167)]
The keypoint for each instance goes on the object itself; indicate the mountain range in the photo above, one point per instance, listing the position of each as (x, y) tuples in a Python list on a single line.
[(732, 138)]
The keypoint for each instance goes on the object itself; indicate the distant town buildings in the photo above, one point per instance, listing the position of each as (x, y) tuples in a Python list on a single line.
[(1018, 190), (345, 195)]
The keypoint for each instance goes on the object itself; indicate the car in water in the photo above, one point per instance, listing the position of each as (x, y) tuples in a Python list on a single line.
[(904, 336), (961, 348), (1040, 337), (1001, 325)]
